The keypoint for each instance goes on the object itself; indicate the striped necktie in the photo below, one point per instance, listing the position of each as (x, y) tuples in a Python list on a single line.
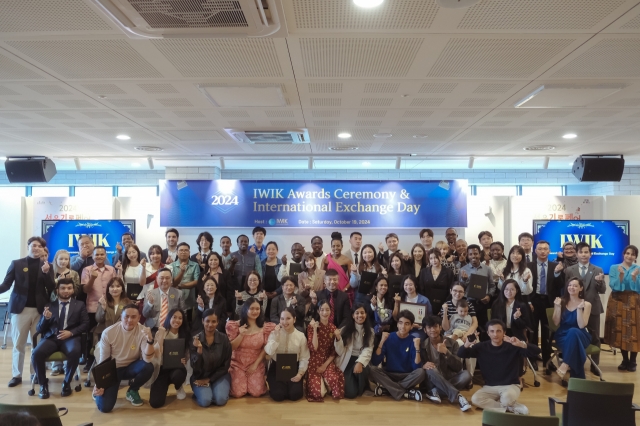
[(164, 310)]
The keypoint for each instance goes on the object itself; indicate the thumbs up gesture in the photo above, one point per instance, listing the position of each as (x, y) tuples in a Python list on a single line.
[(46, 267), (47, 313), (442, 348)]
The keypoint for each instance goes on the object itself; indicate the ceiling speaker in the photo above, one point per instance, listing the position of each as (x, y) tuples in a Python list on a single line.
[(29, 169), (598, 168)]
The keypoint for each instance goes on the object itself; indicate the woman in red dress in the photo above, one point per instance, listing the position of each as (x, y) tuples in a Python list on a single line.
[(320, 339)]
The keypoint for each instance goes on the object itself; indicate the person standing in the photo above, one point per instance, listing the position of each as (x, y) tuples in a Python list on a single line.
[(525, 240), (426, 238), (185, 277), (355, 242), (621, 324), (170, 254), (120, 254), (259, 233), (225, 245), (316, 249), (477, 267), (244, 261), (297, 251)]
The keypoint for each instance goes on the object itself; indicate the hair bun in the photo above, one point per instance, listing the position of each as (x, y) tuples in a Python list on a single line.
[(336, 236)]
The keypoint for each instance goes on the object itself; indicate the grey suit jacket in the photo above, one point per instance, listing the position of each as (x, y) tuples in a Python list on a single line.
[(592, 288), (152, 312)]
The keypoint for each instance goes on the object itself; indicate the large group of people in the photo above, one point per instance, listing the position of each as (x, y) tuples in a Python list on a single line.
[(310, 323)]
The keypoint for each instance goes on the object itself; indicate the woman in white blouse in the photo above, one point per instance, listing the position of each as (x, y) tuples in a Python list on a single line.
[(516, 269), (285, 339), (131, 269), (498, 261), (354, 348)]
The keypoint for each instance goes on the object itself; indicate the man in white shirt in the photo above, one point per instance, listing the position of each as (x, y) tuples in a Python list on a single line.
[(161, 300), (355, 243), (297, 251), (316, 249)]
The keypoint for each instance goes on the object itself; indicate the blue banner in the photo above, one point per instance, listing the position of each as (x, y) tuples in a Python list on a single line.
[(64, 234), (317, 204), (607, 238)]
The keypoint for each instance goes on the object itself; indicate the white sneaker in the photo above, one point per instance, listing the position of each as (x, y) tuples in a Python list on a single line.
[(180, 393), (518, 408), (464, 404), (434, 396)]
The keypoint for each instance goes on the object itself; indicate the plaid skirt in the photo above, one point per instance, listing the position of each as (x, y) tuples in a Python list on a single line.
[(621, 325)]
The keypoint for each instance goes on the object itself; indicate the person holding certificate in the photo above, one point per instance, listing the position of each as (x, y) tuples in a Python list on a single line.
[(411, 295), (354, 348), (171, 354), (435, 280), (403, 369), (476, 267), (381, 307), (367, 270), (289, 354), (320, 339), (210, 358)]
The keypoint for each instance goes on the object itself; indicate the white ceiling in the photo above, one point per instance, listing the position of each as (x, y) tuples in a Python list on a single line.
[(71, 80)]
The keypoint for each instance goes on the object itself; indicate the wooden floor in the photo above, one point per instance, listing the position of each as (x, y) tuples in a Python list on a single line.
[(263, 411)]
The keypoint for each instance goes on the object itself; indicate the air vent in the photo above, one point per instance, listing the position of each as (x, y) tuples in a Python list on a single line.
[(196, 18), (539, 148), (259, 137), (148, 148)]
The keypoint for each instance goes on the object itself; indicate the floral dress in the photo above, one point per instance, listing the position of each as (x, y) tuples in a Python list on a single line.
[(332, 375), (243, 356)]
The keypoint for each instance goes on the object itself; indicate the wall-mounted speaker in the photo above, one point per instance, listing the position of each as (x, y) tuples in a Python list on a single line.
[(29, 169), (599, 168)]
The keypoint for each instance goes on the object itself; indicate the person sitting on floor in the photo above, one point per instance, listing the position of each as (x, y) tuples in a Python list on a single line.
[(443, 365), (403, 368), (500, 359)]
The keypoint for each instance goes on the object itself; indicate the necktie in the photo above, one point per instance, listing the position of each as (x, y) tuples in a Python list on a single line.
[(356, 258), (543, 280), (528, 258), (331, 304), (583, 271), (63, 314), (164, 310)]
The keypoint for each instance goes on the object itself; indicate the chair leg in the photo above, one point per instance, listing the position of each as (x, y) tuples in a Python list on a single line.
[(536, 383), (597, 368)]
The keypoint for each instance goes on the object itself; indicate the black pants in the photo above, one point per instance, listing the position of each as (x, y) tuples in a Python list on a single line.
[(279, 391), (355, 384), (159, 388), (481, 315), (71, 348), (89, 342), (541, 323)]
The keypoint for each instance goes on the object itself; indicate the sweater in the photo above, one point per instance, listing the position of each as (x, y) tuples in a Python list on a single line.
[(399, 353)]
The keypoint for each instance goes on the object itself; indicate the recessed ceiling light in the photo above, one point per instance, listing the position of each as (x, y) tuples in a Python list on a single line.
[(368, 3), (343, 148), (123, 137), (366, 163), (382, 135), (420, 136), (539, 148), (569, 136), (102, 96), (147, 148), (135, 164), (344, 135)]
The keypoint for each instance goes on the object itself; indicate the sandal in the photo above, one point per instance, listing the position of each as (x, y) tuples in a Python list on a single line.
[(561, 373)]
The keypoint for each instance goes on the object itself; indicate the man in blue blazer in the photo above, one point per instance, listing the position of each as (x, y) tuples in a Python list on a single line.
[(30, 294), (61, 325)]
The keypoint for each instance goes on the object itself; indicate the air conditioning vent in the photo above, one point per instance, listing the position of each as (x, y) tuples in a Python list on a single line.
[(197, 18), (281, 137)]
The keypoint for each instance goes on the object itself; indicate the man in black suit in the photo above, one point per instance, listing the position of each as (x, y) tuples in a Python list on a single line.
[(338, 300), (546, 287), (525, 240), (60, 326), (30, 295), (170, 254)]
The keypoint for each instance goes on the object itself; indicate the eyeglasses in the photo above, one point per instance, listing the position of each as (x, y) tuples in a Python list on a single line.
[(457, 291)]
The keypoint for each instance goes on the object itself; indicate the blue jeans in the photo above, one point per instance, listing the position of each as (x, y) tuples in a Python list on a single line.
[(138, 373), (217, 393)]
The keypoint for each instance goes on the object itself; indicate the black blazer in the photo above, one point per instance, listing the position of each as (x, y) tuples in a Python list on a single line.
[(518, 326), (438, 290), (220, 308), (18, 273), (342, 310), (225, 288), (165, 255), (77, 320), (278, 304), (554, 285)]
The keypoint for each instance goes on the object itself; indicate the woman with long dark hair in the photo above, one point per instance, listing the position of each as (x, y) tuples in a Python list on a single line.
[(435, 281), (516, 269), (110, 307), (215, 268), (252, 288), (511, 309), (381, 307), (174, 327), (204, 242), (210, 298), (354, 348), (248, 338), (368, 263), (571, 313), (312, 276), (131, 270), (418, 260)]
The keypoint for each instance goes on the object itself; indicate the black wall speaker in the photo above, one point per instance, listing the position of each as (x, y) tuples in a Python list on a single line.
[(30, 169), (598, 168)]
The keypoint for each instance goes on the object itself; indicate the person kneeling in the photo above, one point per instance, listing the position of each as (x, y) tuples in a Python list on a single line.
[(442, 365), (286, 339), (500, 359), (210, 359), (61, 325), (402, 371), (127, 342)]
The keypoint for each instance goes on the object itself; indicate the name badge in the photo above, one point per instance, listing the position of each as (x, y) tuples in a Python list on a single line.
[(173, 296), (133, 348), (25, 269), (407, 350)]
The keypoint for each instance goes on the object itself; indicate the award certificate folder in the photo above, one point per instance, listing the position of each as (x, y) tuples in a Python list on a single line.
[(395, 284), (105, 374), (419, 311), (172, 353), (133, 290), (366, 282), (477, 288), (295, 269), (286, 367)]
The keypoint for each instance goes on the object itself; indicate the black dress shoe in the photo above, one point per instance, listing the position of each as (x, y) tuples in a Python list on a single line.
[(44, 392), (15, 381), (66, 389), (552, 367), (632, 366), (623, 365)]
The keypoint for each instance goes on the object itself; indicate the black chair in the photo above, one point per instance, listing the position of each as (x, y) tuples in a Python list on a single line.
[(47, 414), (591, 403)]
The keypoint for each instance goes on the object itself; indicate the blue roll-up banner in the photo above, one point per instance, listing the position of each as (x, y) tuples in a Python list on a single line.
[(607, 238), (317, 204), (64, 234)]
